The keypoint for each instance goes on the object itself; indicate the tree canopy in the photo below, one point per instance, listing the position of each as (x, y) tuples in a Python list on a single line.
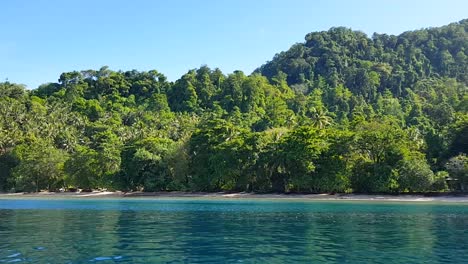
[(340, 112)]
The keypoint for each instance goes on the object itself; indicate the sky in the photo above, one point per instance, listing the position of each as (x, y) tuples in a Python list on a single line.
[(41, 39)]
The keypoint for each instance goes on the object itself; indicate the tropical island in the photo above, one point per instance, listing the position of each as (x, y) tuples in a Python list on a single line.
[(341, 112)]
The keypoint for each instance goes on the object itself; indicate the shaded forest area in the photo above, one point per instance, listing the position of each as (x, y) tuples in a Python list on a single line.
[(340, 112)]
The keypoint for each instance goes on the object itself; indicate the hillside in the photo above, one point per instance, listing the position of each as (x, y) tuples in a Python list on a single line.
[(341, 112), (368, 66)]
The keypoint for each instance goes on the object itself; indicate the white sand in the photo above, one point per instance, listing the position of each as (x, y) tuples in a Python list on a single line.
[(243, 195)]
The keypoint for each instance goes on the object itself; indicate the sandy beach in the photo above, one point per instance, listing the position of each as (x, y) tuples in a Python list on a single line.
[(459, 198)]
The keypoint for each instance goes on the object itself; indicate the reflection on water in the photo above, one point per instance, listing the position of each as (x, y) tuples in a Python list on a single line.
[(195, 231)]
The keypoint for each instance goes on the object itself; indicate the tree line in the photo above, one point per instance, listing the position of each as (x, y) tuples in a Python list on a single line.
[(341, 112)]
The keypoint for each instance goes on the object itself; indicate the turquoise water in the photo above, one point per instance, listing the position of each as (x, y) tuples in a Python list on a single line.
[(230, 231)]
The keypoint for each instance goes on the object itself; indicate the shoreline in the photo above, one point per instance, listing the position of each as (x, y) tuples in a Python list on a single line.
[(461, 198)]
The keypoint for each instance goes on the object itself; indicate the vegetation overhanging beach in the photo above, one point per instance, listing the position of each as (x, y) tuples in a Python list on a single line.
[(341, 112)]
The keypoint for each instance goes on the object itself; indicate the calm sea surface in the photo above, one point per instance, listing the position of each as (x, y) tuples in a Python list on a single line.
[(230, 231)]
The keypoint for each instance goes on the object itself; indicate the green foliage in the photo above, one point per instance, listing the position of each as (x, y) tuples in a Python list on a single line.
[(415, 175), (83, 169), (340, 112), (370, 65), (333, 170), (7, 163), (300, 149), (12, 90), (40, 166), (148, 164), (457, 167), (220, 155), (378, 148)]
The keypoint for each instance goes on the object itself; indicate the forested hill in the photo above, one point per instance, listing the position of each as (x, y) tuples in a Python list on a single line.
[(341, 112), (368, 66)]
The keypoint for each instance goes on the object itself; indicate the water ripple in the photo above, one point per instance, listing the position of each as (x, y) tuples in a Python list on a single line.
[(230, 232)]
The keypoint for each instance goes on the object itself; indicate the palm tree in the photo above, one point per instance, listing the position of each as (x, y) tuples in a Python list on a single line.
[(320, 118)]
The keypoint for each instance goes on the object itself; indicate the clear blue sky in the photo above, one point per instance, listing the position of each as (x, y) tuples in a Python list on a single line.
[(41, 39)]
